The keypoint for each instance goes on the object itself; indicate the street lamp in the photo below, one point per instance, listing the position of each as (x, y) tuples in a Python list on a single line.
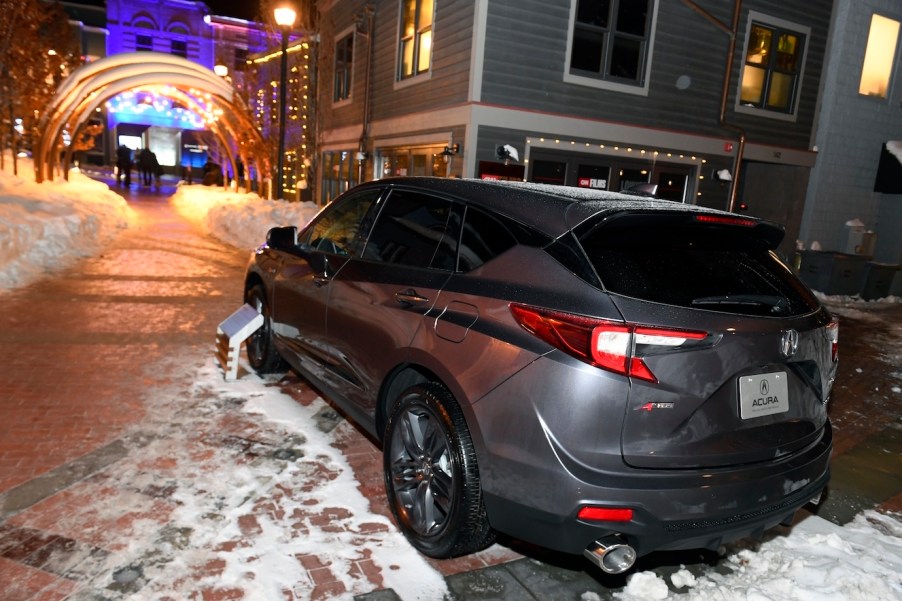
[(285, 17)]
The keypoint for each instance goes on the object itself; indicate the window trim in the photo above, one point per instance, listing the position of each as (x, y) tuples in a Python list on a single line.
[(141, 46), (778, 23), (890, 83), (399, 79), (342, 35), (613, 86), (172, 48)]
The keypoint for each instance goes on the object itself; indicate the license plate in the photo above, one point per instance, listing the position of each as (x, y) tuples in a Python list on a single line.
[(763, 394)]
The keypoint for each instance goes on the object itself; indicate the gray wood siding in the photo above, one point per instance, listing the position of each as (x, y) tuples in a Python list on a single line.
[(449, 80), (525, 58), (342, 15)]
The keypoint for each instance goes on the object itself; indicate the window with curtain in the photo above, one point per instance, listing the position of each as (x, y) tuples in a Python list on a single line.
[(771, 74), (415, 45), (883, 38)]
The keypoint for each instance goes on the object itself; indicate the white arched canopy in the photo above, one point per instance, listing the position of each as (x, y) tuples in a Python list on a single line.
[(94, 83)]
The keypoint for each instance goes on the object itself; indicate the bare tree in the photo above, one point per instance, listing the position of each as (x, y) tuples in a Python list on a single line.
[(38, 49)]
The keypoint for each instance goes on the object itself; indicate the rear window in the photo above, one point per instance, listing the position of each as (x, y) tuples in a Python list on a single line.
[(677, 261)]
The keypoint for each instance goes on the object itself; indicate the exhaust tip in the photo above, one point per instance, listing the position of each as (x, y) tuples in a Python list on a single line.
[(612, 554)]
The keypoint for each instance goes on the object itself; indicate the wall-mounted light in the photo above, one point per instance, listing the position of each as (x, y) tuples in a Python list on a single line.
[(723, 175), (507, 153), (221, 70), (450, 151)]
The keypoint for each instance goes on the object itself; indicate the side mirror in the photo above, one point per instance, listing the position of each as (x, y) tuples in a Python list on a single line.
[(282, 238)]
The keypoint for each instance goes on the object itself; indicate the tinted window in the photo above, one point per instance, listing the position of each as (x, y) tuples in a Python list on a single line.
[(414, 229), (336, 229), (484, 237), (713, 268)]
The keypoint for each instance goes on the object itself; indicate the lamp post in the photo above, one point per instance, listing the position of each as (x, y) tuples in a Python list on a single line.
[(285, 20)]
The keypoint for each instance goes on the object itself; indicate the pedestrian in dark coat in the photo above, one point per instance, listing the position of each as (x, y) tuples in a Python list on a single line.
[(124, 165), (146, 160)]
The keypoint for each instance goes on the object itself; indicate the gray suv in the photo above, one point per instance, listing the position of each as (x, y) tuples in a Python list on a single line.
[(590, 372)]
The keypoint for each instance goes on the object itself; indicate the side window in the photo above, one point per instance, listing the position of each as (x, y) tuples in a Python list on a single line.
[(338, 229), (774, 62), (484, 237), (610, 44), (879, 56), (415, 229), (344, 55), (143, 43), (415, 45)]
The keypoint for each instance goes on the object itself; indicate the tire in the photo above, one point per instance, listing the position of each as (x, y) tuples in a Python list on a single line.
[(261, 353), (431, 475)]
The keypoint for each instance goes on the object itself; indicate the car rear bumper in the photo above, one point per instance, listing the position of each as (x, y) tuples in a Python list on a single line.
[(672, 509)]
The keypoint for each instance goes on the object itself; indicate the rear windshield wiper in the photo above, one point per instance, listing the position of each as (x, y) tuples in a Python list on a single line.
[(777, 304)]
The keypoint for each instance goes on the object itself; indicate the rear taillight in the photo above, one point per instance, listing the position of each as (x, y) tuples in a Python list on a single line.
[(726, 220), (615, 346), (833, 337)]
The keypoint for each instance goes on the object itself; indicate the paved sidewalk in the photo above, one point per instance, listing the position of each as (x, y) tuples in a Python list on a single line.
[(111, 436)]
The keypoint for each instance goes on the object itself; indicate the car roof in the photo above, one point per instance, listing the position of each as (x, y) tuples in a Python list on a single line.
[(551, 209)]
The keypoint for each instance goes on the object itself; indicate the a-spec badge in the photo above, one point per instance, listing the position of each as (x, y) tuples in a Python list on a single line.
[(789, 344), (653, 406)]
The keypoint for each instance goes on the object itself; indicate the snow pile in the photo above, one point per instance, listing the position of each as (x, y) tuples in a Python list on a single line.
[(817, 561), (46, 227), (240, 219), (402, 568)]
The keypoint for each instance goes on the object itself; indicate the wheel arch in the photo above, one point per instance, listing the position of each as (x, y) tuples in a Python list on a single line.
[(403, 377), (253, 279)]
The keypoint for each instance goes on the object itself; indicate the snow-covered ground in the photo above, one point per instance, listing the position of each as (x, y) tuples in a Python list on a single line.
[(45, 227)]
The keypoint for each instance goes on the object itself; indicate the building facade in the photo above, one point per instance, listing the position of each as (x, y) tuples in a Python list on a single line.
[(856, 178), (583, 93)]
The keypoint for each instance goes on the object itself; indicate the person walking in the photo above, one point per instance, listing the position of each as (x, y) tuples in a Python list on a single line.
[(146, 159), (239, 172), (124, 165)]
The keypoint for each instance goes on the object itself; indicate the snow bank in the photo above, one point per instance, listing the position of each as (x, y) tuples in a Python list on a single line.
[(240, 219), (45, 227)]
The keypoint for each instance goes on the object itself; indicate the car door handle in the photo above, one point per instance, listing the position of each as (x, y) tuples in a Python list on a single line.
[(323, 278), (410, 297)]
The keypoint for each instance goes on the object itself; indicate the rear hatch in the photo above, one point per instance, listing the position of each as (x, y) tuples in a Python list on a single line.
[(732, 357)]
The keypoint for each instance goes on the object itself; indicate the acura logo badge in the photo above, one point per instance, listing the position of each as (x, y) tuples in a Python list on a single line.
[(789, 343), (765, 388)]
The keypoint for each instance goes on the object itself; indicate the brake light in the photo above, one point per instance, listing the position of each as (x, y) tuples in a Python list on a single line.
[(723, 220), (605, 514), (614, 346), (833, 337)]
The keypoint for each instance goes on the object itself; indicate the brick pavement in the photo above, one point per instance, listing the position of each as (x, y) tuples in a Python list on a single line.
[(78, 351), (82, 474)]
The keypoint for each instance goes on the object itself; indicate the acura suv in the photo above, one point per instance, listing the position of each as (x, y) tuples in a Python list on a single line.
[(592, 372)]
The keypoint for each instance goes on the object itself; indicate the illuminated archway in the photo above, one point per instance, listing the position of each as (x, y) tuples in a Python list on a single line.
[(94, 83)]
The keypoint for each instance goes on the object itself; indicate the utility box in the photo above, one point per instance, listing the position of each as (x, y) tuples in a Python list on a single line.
[(832, 273), (859, 240), (878, 280)]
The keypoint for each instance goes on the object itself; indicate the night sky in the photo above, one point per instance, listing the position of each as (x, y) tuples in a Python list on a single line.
[(242, 9)]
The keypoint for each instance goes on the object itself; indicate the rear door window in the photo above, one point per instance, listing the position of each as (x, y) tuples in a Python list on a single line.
[(416, 230), (677, 261)]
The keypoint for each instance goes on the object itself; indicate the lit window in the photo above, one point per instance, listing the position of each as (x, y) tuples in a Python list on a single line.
[(415, 48), (344, 53), (774, 57), (878, 58)]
